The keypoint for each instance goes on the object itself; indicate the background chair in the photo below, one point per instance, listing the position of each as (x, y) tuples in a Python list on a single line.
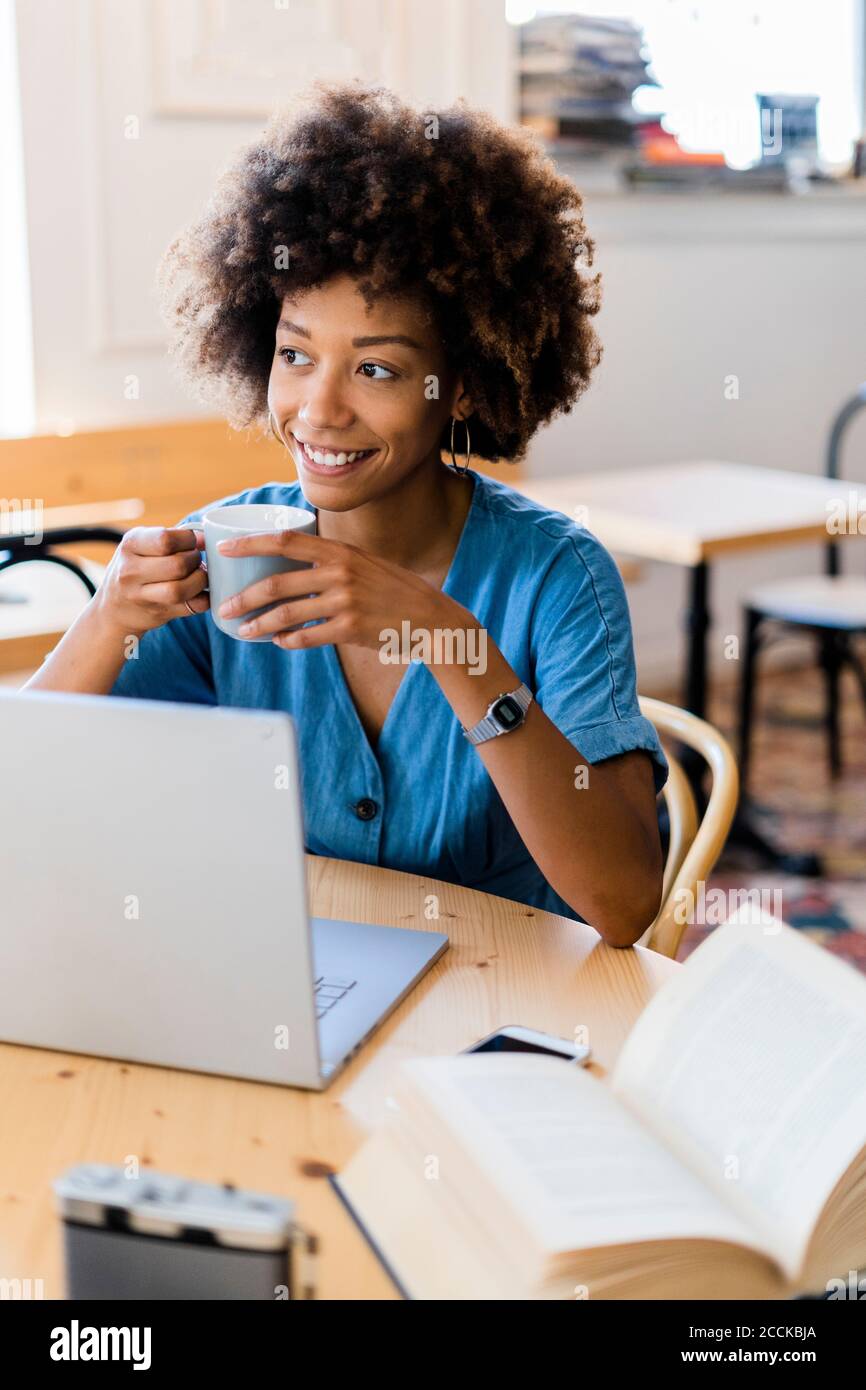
[(35, 612), (694, 846), (829, 606)]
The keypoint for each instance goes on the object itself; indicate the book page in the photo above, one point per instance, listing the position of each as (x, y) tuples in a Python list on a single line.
[(560, 1149), (751, 1065), (414, 1226)]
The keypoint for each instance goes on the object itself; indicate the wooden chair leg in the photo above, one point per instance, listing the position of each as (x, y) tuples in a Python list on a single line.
[(747, 691)]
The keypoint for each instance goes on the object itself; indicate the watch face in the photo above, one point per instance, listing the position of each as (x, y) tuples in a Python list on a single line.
[(507, 713)]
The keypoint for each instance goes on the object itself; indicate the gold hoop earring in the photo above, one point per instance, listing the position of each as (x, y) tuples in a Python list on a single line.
[(454, 464)]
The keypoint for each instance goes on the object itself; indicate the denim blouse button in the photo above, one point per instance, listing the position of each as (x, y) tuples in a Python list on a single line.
[(366, 808)]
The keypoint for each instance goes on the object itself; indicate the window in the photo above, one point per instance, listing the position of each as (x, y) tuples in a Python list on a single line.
[(712, 57)]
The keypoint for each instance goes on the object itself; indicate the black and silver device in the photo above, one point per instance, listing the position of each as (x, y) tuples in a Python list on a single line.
[(514, 1038), (505, 713), (159, 1236)]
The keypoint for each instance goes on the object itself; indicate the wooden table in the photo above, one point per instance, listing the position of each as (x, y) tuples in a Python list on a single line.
[(690, 514), (506, 964)]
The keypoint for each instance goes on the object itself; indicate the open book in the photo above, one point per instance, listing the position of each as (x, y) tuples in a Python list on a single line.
[(725, 1157)]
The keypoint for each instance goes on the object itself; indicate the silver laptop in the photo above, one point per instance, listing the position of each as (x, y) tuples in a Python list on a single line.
[(153, 895)]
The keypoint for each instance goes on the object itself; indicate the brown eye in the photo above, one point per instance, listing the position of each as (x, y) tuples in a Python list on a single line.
[(368, 368), (290, 356)]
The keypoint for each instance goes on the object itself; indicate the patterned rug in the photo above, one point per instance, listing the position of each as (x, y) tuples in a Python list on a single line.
[(800, 808)]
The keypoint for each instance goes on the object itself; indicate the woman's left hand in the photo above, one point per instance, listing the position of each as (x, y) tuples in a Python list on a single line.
[(358, 595)]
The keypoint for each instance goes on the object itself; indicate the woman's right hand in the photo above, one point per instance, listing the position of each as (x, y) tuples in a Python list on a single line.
[(154, 572)]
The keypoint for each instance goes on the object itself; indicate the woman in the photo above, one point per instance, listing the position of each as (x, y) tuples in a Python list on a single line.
[(378, 286)]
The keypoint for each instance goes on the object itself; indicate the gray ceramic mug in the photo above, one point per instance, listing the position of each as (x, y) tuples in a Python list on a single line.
[(227, 575)]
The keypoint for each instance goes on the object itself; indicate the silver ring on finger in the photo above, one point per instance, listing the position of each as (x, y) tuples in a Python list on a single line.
[(192, 610)]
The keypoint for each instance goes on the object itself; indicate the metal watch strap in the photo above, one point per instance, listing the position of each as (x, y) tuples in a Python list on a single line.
[(487, 727)]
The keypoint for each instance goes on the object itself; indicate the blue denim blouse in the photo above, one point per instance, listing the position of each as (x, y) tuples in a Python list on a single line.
[(552, 600)]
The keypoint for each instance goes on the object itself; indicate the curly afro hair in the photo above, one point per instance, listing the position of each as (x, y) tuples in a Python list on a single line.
[(450, 205)]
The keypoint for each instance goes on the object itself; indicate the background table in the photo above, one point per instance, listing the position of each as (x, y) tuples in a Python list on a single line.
[(38, 550), (506, 964), (690, 514)]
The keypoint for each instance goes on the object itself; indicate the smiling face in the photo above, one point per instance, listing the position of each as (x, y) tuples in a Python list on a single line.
[(349, 390)]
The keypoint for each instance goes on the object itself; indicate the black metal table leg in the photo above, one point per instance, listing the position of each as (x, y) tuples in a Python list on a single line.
[(697, 626)]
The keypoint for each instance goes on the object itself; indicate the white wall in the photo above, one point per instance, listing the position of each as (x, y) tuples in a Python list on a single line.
[(770, 289), (16, 366), (190, 81)]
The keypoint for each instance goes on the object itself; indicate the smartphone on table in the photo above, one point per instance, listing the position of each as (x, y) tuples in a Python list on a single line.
[(515, 1038)]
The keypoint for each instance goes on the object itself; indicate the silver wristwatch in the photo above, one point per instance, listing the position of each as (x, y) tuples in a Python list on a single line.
[(506, 712)]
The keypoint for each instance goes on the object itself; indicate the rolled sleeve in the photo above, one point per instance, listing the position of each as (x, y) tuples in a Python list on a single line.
[(583, 654), (600, 741)]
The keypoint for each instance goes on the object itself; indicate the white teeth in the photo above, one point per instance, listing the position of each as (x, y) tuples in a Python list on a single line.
[(329, 460)]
